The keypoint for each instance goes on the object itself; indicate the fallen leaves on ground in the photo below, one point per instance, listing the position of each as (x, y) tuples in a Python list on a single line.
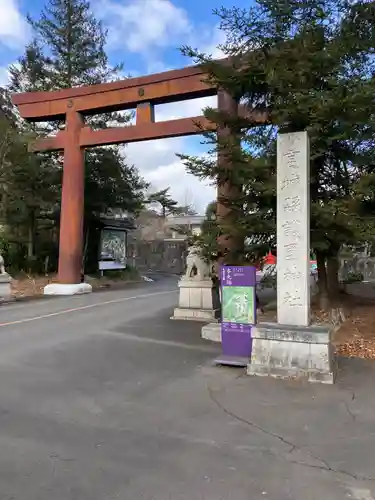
[(30, 286), (356, 336), (357, 348), (33, 286)]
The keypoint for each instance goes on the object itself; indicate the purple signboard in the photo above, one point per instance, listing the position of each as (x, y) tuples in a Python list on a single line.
[(238, 309)]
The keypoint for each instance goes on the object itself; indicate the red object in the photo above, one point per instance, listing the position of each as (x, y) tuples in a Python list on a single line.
[(269, 259), (72, 202)]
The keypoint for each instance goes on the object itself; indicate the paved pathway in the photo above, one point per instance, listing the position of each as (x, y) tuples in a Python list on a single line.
[(102, 397)]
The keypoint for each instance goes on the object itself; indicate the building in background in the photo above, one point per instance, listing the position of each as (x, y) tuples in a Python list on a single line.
[(181, 226)]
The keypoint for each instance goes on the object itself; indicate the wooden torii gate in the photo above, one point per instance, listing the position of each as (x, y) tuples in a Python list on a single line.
[(144, 93)]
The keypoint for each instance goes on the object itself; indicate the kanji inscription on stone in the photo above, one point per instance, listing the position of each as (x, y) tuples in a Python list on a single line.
[(293, 229)]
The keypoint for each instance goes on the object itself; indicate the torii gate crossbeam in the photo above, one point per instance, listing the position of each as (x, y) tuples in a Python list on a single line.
[(74, 104)]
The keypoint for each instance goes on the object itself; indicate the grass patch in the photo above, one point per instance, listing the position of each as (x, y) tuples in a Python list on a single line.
[(128, 274)]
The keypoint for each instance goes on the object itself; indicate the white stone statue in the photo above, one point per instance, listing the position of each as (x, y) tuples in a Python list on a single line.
[(195, 290), (2, 266), (196, 268)]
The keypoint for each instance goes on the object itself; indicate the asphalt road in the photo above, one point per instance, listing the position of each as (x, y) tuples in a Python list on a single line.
[(102, 397), (76, 376)]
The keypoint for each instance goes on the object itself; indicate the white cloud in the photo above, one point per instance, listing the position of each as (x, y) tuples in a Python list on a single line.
[(4, 76), (148, 27), (14, 30), (144, 25), (157, 160), (184, 109), (210, 46), (155, 66), (183, 185), (158, 164)]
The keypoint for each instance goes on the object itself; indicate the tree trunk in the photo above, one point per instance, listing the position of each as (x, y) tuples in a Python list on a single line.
[(333, 284), (31, 237), (31, 264), (322, 280), (336, 312), (84, 253)]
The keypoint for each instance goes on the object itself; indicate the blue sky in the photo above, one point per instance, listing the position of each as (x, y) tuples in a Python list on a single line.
[(145, 35)]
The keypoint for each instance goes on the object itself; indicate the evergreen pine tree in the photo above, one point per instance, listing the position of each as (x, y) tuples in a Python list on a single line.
[(310, 64), (69, 50), (28, 187), (32, 72), (206, 240), (163, 198), (73, 43)]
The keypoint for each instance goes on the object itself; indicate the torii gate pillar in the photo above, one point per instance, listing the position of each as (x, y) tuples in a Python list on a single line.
[(72, 212)]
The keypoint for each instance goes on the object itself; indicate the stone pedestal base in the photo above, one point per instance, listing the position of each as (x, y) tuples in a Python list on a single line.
[(292, 351), (193, 314), (5, 286), (63, 289), (195, 301), (212, 332)]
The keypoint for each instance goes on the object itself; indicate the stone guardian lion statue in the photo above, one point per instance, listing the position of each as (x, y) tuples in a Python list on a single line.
[(2, 266), (196, 268)]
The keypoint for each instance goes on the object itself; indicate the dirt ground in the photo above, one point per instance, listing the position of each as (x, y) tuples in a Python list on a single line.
[(356, 337), (31, 286)]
